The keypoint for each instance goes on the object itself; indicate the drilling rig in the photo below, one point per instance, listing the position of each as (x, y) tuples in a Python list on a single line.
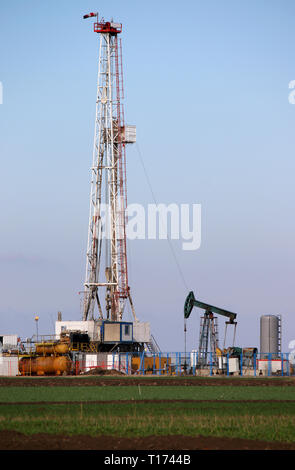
[(106, 289), (106, 266)]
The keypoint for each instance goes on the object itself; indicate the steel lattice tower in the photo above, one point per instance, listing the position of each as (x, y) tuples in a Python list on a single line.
[(106, 258)]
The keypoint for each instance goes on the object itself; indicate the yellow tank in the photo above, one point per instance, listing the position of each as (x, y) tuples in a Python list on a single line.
[(152, 364), (45, 365), (52, 348), (218, 352)]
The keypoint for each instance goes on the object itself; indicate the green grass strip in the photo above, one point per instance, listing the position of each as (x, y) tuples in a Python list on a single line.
[(105, 393)]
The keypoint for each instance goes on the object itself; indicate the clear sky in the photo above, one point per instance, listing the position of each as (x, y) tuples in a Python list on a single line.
[(206, 83)]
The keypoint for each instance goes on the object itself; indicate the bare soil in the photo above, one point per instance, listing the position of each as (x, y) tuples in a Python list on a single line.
[(97, 381), (126, 402), (12, 440)]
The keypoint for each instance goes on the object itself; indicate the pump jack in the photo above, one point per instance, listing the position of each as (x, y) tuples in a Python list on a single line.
[(208, 326)]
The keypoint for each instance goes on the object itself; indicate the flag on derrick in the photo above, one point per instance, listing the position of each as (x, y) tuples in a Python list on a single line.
[(89, 15)]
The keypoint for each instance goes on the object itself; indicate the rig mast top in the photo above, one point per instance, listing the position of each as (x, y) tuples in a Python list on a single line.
[(103, 26)]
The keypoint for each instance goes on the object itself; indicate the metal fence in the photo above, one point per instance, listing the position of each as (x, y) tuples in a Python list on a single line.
[(171, 363), (193, 364)]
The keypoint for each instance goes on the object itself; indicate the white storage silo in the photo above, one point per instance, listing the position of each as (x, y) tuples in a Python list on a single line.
[(270, 335)]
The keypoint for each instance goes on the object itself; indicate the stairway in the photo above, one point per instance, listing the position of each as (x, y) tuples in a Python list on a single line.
[(153, 346)]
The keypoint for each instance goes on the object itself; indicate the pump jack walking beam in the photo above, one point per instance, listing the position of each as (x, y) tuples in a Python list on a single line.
[(191, 302)]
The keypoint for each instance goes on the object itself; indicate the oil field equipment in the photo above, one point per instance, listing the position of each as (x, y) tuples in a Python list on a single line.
[(208, 327), (106, 257), (270, 335), (45, 365), (48, 358)]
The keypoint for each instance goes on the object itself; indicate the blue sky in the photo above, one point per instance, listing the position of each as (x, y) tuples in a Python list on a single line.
[(206, 84)]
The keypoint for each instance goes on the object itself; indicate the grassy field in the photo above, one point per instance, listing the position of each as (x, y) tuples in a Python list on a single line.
[(212, 411), (106, 393)]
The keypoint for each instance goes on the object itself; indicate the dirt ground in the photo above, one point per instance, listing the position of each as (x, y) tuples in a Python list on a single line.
[(126, 402), (161, 381), (11, 440)]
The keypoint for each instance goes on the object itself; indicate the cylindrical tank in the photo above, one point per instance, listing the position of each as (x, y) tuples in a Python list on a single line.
[(52, 348), (45, 365), (269, 335)]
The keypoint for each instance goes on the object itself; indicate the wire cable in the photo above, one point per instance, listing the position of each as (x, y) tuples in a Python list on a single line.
[(155, 201)]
